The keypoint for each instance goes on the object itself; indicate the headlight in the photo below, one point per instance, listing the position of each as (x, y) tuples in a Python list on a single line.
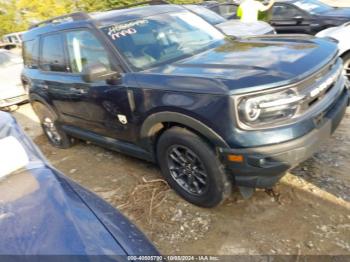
[(258, 111)]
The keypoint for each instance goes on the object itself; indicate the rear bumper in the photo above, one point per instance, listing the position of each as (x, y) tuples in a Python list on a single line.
[(263, 166)]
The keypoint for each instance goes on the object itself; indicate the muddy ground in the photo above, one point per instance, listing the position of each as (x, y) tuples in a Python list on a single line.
[(308, 214)]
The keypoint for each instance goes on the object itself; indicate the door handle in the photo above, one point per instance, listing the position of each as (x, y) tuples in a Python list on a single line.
[(43, 86), (78, 90)]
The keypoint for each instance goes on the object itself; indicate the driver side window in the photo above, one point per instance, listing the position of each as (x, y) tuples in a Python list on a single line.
[(84, 49), (282, 12)]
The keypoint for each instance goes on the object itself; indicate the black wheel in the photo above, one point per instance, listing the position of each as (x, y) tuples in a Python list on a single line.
[(346, 62), (48, 119), (192, 168)]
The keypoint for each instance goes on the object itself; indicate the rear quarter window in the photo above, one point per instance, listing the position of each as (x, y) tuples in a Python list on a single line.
[(31, 54)]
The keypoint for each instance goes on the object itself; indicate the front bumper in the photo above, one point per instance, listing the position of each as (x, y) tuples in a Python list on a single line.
[(263, 166)]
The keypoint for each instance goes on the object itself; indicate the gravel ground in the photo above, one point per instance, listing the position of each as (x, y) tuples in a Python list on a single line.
[(307, 213)]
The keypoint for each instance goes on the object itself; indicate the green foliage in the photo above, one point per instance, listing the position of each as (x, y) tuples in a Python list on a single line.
[(17, 15)]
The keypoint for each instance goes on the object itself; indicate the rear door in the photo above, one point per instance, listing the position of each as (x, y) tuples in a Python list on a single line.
[(289, 19)]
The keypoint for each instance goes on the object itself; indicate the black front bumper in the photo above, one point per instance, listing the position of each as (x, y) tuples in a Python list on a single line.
[(263, 166)]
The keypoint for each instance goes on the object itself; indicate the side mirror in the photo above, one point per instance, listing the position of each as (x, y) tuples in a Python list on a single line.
[(97, 72), (298, 18)]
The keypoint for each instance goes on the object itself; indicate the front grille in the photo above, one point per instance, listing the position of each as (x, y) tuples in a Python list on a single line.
[(317, 87)]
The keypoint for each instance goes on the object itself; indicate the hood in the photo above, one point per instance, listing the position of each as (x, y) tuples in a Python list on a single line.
[(341, 12), (42, 212), (245, 65), (238, 28)]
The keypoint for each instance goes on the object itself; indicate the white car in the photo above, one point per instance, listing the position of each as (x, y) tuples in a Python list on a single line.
[(12, 91), (231, 27), (342, 35)]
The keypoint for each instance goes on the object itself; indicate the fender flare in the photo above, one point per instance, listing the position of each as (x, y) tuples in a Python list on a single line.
[(151, 125), (36, 98)]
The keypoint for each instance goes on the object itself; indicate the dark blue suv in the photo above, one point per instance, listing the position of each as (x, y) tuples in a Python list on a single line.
[(159, 83)]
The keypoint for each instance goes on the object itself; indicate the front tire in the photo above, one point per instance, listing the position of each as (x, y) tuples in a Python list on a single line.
[(192, 168), (48, 119)]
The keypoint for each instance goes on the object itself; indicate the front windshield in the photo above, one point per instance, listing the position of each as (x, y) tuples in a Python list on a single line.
[(208, 15), (155, 40), (313, 6)]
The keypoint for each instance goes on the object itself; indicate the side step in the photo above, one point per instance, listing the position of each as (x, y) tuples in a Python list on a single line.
[(110, 143)]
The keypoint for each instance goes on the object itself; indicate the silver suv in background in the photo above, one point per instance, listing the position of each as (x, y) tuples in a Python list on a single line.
[(12, 91)]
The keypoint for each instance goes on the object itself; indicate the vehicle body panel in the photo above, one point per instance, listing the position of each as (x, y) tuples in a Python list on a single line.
[(42, 212)]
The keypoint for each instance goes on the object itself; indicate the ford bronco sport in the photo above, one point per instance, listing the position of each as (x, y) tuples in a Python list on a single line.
[(161, 84)]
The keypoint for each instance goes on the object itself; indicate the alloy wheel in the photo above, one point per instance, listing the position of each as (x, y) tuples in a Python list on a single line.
[(187, 169), (51, 131)]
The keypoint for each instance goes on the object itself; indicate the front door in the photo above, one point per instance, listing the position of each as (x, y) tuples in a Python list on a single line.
[(101, 107)]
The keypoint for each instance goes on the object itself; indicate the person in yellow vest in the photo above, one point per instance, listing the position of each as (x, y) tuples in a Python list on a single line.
[(249, 10)]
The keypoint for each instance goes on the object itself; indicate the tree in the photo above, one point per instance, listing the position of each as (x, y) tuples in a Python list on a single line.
[(10, 21)]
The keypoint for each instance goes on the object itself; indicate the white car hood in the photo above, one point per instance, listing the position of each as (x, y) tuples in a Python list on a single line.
[(10, 81), (340, 33), (238, 28)]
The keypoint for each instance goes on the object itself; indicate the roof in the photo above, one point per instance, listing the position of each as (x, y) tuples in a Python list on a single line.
[(98, 18), (115, 16)]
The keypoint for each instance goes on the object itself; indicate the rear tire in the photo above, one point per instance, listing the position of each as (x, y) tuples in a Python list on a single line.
[(54, 133), (191, 168)]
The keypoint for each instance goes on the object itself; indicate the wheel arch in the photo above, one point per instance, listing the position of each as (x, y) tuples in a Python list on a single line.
[(157, 123), (34, 98)]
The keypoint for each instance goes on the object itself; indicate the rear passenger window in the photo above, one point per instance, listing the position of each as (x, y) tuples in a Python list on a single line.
[(84, 49), (31, 54), (284, 11), (52, 54)]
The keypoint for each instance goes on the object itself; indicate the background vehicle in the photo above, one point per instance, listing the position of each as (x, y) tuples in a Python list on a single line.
[(12, 91), (306, 16), (42, 212), (226, 10), (162, 84), (11, 41), (231, 27), (342, 35)]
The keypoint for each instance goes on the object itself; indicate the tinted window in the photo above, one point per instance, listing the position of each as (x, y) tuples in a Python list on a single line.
[(285, 11), (31, 54), (52, 54), (84, 49)]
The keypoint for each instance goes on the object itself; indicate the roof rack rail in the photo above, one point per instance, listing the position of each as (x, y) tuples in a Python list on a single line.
[(151, 2), (73, 16)]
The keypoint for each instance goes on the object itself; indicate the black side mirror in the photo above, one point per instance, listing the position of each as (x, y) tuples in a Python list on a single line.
[(97, 72), (298, 18)]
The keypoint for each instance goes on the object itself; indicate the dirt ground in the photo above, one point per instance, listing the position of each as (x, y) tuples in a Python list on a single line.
[(308, 214)]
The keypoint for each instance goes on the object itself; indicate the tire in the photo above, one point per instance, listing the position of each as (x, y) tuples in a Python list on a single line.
[(48, 119), (346, 61), (191, 168)]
